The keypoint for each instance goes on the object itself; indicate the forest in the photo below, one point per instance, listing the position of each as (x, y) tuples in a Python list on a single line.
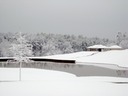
[(43, 44)]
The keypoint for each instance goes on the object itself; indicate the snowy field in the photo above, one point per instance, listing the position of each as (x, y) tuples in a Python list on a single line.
[(39, 82), (99, 74), (12, 74)]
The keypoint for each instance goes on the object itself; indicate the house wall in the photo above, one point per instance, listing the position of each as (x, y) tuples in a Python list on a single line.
[(102, 49), (95, 49)]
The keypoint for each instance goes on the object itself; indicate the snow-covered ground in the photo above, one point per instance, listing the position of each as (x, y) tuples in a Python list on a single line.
[(117, 57), (39, 82), (109, 59), (70, 56), (7, 74)]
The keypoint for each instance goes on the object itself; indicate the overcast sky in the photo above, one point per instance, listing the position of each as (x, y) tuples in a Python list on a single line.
[(102, 18)]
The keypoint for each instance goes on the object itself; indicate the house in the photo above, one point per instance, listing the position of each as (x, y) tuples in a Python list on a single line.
[(101, 48), (97, 48)]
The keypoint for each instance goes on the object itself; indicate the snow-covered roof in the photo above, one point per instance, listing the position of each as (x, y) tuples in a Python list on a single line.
[(102, 46), (97, 46), (115, 46)]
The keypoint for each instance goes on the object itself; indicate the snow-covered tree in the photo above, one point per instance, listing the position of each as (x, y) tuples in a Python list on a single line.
[(122, 39), (42, 44), (4, 48), (21, 49), (124, 44)]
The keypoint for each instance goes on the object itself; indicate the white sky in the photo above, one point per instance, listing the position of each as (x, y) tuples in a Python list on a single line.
[(102, 18)]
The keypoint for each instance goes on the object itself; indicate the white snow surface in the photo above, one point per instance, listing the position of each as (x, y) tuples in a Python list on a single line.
[(70, 56), (113, 57), (106, 58), (69, 85), (97, 46), (117, 57), (32, 74), (102, 46), (114, 46)]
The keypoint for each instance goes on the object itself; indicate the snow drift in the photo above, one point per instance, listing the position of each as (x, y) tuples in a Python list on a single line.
[(119, 58)]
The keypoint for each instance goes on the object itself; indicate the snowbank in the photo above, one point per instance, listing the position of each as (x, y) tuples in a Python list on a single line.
[(70, 56), (32, 85), (119, 58), (116, 57)]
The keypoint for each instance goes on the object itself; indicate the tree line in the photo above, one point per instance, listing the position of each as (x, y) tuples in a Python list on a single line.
[(44, 44)]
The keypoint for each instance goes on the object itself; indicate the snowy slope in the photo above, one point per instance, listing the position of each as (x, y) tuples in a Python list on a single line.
[(116, 57), (69, 85), (70, 56), (119, 58)]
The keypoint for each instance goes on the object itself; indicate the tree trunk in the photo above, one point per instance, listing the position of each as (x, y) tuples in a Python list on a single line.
[(20, 71)]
